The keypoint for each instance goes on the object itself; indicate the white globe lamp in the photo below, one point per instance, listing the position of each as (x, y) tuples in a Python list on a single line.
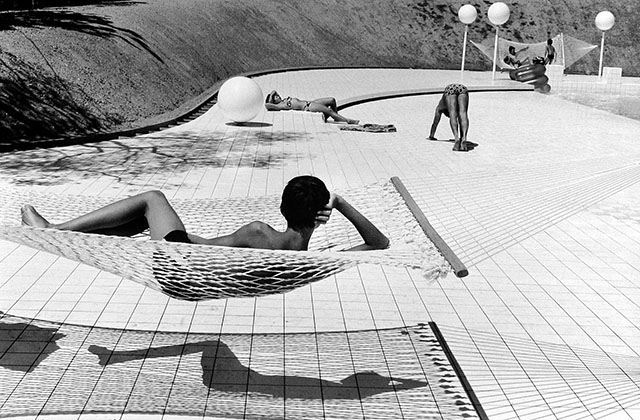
[(604, 21), (467, 15), (498, 14)]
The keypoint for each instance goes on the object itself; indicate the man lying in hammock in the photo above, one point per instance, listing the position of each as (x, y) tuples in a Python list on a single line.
[(306, 204), (327, 106)]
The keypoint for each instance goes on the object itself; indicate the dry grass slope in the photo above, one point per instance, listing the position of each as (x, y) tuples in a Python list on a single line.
[(119, 64)]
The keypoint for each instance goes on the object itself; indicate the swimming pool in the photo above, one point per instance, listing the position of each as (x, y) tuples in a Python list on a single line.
[(625, 105)]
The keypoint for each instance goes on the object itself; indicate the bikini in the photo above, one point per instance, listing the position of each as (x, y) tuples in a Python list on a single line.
[(455, 89), (177, 236)]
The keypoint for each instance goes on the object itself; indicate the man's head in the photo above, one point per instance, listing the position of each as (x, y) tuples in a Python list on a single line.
[(549, 41), (302, 198)]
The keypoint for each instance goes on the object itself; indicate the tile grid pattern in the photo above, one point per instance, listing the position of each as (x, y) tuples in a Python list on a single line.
[(526, 290)]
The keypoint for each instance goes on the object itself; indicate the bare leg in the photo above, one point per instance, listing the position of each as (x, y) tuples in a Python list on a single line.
[(452, 106), (463, 106), (328, 112), (328, 102), (111, 219)]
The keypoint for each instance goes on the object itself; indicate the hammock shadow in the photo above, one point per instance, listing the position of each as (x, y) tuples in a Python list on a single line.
[(127, 160), (223, 371), (24, 346)]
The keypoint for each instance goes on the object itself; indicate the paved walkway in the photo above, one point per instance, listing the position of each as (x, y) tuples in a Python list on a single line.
[(544, 212)]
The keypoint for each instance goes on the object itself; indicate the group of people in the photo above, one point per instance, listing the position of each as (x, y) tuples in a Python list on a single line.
[(453, 104), (513, 57), (306, 201)]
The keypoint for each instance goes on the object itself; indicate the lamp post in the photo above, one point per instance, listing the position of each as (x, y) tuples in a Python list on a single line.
[(604, 21), (498, 14), (467, 15)]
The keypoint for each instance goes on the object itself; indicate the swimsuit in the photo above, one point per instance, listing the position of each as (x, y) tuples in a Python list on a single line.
[(306, 106), (455, 89), (177, 236)]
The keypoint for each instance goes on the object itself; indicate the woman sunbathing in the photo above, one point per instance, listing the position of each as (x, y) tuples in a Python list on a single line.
[(306, 204), (327, 106)]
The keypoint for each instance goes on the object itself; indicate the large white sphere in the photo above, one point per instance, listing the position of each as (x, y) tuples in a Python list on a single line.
[(498, 13), (240, 99), (605, 20), (467, 14)]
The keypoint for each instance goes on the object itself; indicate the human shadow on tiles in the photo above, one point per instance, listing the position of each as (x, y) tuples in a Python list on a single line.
[(470, 145), (128, 160), (24, 346), (222, 371), (109, 370)]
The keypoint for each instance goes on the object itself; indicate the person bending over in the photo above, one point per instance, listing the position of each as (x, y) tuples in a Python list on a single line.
[(454, 104), (306, 204), (327, 106)]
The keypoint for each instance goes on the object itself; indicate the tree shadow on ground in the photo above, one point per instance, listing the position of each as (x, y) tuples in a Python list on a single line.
[(40, 4), (36, 104), (89, 24), (134, 160)]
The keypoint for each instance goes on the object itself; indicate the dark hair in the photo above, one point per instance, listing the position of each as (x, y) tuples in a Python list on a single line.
[(512, 48), (549, 41), (302, 198), (269, 98)]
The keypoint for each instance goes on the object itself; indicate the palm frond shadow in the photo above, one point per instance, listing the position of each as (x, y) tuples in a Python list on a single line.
[(133, 160), (36, 104), (85, 23), (40, 4)]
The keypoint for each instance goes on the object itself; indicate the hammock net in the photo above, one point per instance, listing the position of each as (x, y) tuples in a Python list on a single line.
[(200, 272), (568, 50)]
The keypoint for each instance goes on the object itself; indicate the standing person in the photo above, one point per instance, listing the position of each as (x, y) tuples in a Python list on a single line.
[(549, 52), (454, 104)]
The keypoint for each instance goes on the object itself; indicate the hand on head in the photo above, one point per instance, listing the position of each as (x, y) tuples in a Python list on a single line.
[(323, 215)]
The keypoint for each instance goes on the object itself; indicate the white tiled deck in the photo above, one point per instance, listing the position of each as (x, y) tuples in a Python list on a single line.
[(544, 212)]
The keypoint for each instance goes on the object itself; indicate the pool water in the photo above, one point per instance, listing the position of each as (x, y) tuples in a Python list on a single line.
[(625, 105)]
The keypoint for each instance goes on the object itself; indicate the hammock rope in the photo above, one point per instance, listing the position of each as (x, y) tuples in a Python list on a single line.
[(200, 272)]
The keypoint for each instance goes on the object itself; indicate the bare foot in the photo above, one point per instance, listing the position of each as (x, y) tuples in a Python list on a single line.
[(432, 138), (31, 217), (460, 146)]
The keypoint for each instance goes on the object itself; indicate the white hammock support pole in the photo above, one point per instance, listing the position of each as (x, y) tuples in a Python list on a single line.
[(458, 267)]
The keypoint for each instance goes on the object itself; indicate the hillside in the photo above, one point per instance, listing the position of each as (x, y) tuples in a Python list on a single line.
[(117, 64)]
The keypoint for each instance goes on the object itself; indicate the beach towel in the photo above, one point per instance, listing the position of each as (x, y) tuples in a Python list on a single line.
[(370, 128)]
